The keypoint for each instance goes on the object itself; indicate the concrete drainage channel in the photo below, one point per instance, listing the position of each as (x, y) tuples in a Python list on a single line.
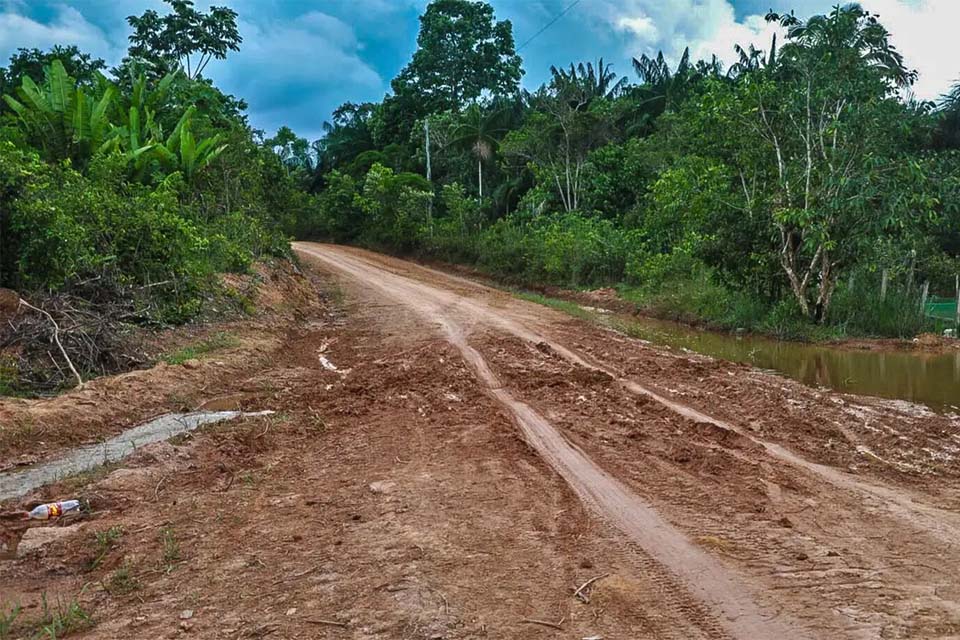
[(16, 484)]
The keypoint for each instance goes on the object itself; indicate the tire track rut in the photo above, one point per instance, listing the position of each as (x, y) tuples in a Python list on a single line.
[(732, 609), (941, 524)]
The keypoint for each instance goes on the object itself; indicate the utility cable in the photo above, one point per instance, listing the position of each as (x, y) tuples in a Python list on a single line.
[(549, 24)]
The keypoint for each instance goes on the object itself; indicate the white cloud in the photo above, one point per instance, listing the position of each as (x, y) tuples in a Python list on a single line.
[(708, 27), (67, 27), (641, 27), (924, 31)]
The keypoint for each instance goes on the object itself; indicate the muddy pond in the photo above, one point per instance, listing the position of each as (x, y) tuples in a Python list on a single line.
[(927, 378)]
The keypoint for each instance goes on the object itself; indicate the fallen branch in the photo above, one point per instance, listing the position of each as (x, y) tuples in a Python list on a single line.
[(156, 492), (296, 575), (331, 623), (544, 623), (56, 338), (579, 592)]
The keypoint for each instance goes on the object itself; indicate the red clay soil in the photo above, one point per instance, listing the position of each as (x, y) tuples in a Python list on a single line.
[(460, 462), (36, 429)]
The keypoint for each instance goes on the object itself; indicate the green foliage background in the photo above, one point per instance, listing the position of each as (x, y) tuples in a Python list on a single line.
[(771, 195)]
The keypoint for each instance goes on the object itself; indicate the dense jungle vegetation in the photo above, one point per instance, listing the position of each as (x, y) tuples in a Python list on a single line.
[(123, 191), (800, 191)]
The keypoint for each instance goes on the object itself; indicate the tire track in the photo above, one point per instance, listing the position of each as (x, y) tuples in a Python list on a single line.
[(737, 613), (941, 524)]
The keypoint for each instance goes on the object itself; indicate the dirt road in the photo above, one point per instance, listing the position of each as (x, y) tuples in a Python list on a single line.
[(740, 601), (447, 461)]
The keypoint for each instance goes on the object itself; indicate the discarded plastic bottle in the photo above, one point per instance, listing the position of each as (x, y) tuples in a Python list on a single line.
[(54, 509)]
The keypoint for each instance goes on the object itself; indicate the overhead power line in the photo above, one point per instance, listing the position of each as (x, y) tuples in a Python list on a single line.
[(549, 24)]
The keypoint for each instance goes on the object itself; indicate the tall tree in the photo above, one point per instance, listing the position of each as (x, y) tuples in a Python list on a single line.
[(348, 135), (820, 139), (462, 53), (558, 137), (751, 58), (185, 39), (32, 62), (294, 152), (848, 37)]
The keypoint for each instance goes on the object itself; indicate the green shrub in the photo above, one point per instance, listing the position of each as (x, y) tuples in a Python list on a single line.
[(862, 312)]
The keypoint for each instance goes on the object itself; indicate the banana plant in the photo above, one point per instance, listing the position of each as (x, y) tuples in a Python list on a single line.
[(91, 124), (60, 117), (141, 139), (45, 111), (182, 152)]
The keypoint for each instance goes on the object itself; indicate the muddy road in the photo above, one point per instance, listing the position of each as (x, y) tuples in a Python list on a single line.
[(447, 461)]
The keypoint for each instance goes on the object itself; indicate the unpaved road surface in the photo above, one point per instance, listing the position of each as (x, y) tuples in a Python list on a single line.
[(450, 462)]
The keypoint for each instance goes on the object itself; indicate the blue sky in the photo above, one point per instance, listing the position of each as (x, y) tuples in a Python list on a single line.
[(302, 58)]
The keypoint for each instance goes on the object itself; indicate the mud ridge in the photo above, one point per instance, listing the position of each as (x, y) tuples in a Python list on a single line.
[(942, 524), (738, 613)]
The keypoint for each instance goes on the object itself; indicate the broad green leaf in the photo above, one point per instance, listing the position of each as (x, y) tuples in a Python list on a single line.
[(61, 88), (173, 141), (81, 117), (134, 128), (188, 151)]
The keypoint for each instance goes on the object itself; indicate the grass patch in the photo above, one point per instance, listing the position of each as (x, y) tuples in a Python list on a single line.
[(63, 619), (58, 620), (104, 542), (565, 306), (122, 581), (219, 340), (171, 548), (8, 617)]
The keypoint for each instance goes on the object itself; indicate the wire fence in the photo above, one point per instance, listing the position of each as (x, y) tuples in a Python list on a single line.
[(941, 309)]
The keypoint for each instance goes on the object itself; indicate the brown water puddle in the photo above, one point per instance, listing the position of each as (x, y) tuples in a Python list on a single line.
[(932, 379)]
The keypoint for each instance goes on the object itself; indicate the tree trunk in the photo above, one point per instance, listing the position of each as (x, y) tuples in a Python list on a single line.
[(826, 288), (788, 259), (480, 177)]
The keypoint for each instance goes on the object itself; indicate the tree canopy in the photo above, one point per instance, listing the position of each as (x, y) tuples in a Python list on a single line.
[(185, 39), (462, 53), (778, 186)]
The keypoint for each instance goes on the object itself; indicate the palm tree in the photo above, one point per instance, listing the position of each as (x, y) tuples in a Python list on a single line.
[(947, 133), (347, 137), (752, 59), (479, 132), (848, 28), (594, 82), (661, 87), (952, 99)]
